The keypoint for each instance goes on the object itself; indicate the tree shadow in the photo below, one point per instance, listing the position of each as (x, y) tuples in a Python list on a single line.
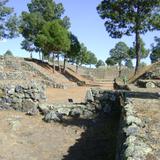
[(143, 95), (45, 65)]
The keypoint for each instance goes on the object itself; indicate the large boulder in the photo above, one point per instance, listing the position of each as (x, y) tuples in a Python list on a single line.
[(28, 104)]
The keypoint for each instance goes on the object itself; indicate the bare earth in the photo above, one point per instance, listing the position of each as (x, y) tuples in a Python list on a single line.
[(77, 93), (29, 138)]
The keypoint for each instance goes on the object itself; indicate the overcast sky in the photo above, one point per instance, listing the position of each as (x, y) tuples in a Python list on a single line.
[(85, 24)]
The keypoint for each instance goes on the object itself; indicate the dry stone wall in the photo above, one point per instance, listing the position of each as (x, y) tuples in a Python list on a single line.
[(17, 69), (22, 98), (131, 144)]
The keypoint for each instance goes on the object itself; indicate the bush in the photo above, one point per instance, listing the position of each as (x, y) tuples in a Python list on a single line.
[(8, 53)]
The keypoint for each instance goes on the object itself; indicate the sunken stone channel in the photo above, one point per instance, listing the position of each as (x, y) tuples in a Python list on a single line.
[(108, 118)]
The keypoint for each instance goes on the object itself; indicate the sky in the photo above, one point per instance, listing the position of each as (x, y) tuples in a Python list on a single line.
[(85, 24)]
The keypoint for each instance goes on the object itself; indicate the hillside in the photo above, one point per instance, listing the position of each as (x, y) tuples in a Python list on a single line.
[(153, 68), (19, 70)]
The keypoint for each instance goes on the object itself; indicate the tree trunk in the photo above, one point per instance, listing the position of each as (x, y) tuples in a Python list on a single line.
[(58, 62), (39, 55), (42, 56), (138, 51), (76, 67), (31, 55), (120, 69), (53, 63), (64, 64)]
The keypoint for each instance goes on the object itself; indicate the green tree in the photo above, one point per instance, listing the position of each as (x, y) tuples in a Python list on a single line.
[(119, 53), (31, 26), (80, 57), (129, 64), (143, 53), (125, 17), (110, 61), (28, 46), (73, 53), (40, 13), (92, 59), (100, 63), (8, 21), (8, 53), (53, 38), (155, 55)]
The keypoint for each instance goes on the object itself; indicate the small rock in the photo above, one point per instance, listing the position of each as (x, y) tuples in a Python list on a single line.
[(18, 89), (64, 111), (53, 116), (43, 108), (11, 90), (131, 130), (87, 114), (131, 119), (33, 111), (150, 85), (76, 112), (89, 96)]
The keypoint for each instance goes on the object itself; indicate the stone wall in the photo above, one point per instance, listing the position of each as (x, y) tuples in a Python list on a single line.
[(45, 79), (97, 102), (21, 98), (17, 69), (131, 143), (107, 72)]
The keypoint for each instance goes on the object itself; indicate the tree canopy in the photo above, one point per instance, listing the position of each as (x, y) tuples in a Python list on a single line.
[(8, 53), (118, 54), (129, 64), (125, 17), (92, 59), (53, 37), (155, 55), (43, 13), (100, 63), (74, 47), (143, 54), (8, 21), (110, 61)]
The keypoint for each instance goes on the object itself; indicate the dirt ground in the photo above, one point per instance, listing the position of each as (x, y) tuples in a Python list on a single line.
[(29, 138), (77, 94)]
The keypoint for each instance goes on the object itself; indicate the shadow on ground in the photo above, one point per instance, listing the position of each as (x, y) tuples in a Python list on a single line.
[(143, 95), (98, 141)]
